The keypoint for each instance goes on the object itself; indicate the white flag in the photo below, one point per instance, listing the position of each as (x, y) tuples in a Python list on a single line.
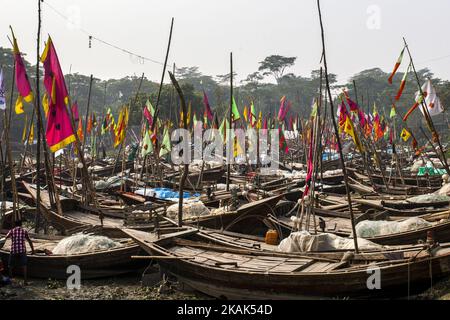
[(2, 92), (432, 101)]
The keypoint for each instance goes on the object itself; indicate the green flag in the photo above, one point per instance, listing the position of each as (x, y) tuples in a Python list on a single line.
[(393, 111), (150, 108), (165, 146), (235, 111), (147, 145), (314, 109)]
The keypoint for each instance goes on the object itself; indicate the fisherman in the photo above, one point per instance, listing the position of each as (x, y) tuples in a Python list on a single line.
[(18, 255)]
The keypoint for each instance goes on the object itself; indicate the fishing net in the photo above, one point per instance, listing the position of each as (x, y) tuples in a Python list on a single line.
[(111, 182), (84, 243), (191, 208), (445, 190), (303, 241), (429, 198), (368, 229)]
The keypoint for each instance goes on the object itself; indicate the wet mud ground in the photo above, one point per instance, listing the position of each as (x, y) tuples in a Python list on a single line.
[(130, 288), (120, 288)]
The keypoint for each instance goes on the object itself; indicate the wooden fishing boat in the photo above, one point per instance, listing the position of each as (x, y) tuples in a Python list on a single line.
[(228, 273), (341, 225), (96, 264), (248, 218)]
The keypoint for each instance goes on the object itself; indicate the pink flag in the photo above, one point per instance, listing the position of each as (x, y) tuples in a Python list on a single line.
[(75, 114), (22, 82), (207, 107), (282, 112), (148, 116), (353, 105), (59, 131)]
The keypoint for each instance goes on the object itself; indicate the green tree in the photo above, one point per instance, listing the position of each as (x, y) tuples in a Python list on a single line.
[(276, 65)]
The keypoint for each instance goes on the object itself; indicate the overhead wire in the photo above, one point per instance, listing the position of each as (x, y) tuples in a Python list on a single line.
[(92, 37)]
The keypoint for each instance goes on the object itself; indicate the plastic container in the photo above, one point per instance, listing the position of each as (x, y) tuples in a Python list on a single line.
[(271, 237)]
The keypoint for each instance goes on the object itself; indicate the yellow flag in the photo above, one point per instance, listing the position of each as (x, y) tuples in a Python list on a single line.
[(237, 149), (31, 138), (19, 105), (259, 124), (405, 135), (45, 104), (188, 120), (245, 113), (24, 133), (121, 127), (350, 130)]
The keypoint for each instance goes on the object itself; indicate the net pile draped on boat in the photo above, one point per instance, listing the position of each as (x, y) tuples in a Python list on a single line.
[(368, 229), (84, 243)]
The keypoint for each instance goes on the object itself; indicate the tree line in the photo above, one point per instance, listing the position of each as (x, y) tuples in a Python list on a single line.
[(368, 87)]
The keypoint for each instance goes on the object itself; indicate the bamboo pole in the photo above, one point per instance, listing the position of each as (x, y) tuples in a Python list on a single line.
[(7, 125), (230, 121), (37, 106), (341, 156), (86, 117), (186, 165)]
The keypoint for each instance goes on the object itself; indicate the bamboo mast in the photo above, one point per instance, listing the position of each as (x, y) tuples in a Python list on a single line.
[(86, 117), (37, 106), (6, 127), (186, 165), (341, 156), (230, 120), (155, 118)]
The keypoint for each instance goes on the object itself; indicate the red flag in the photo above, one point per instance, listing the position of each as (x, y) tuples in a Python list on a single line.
[(207, 106)]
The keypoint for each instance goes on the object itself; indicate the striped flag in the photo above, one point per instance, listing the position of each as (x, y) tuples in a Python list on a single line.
[(397, 65), (403, 84)]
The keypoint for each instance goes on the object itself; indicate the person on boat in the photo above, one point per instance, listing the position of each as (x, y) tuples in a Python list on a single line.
[(18, 254)]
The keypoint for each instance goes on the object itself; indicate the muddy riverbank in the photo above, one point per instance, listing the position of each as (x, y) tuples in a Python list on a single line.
[(122, 288)]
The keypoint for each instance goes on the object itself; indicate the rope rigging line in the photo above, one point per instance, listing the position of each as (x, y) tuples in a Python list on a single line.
[(91, 37)]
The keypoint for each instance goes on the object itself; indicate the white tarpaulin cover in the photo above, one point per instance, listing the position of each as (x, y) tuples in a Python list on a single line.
[(303, 241)]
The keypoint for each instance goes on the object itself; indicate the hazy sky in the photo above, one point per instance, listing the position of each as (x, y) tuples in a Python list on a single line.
[(360, 34)]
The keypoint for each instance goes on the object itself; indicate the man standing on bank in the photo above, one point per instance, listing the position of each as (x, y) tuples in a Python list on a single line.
[(18, 256)]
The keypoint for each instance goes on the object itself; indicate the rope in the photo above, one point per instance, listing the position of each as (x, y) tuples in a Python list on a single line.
[(91, 37)]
